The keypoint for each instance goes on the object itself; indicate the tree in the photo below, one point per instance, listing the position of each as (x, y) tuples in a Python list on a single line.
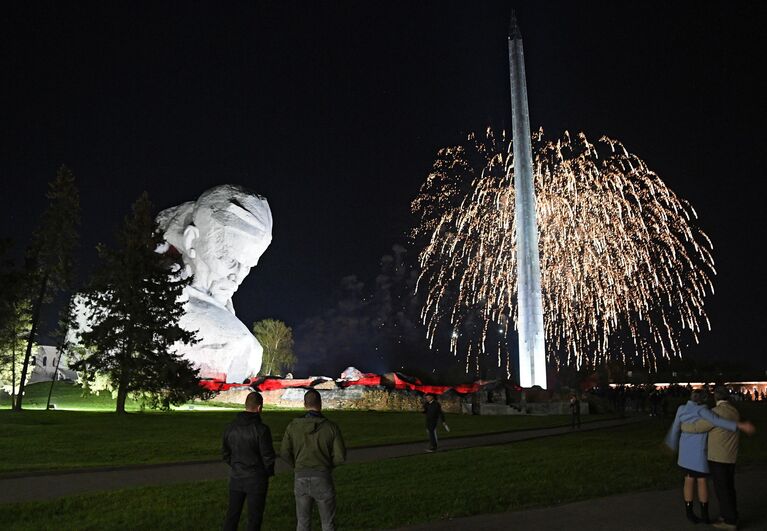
[(65, 344), (50, 255), (14, 320), (277, 339), (13, 338), (133, 304)]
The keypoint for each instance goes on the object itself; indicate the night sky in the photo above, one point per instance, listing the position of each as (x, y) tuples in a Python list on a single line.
[(335, 111)]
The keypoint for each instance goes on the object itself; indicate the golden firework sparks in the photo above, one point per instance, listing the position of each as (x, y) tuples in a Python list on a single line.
[(624, 271)]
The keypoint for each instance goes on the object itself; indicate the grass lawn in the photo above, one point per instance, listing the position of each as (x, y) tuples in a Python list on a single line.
[(66, 396), (413, 489), (39, 439)]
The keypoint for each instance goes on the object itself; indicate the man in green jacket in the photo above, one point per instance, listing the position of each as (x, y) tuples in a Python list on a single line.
[(313, 446), (722, 454)]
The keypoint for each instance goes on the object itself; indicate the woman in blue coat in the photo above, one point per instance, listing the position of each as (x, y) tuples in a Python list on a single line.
[(693, 450)]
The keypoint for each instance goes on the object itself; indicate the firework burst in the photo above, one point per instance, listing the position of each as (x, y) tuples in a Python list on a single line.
[(624, 270)]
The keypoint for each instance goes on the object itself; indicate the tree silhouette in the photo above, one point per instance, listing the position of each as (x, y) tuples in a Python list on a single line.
[(133, 312), (50, 256)]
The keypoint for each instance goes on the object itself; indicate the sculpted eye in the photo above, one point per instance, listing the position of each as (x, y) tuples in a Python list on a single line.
[(232, 263)]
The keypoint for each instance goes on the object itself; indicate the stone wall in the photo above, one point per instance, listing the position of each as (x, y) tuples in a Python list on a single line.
[(355, 397), (379, 398)]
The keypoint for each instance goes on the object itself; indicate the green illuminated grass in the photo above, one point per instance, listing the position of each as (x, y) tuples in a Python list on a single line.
[(65, 396), (409, 490), (37, 440)]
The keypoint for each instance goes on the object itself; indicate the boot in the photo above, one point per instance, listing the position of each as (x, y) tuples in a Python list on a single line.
[(691, 515), (704, 513)]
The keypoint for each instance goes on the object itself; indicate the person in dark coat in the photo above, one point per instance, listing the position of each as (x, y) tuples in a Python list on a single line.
[(247, 449), (434, 416), (575, 412)]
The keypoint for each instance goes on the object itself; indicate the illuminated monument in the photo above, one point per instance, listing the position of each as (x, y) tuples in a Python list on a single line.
[(532, 352), (616, 254), (219, 238)]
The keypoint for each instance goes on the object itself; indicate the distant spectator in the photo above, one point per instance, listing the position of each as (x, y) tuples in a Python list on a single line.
[(575, 411), (654, 400), (434, 416), (622, 402)]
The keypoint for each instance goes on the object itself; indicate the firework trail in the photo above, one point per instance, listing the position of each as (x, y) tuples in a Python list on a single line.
[(624, 271)]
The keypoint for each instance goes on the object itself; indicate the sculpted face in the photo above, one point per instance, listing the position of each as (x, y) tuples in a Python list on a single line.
[(224, 233), (224, 260)]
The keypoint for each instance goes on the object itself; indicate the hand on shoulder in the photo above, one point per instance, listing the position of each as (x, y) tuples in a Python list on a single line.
[(747, 427)]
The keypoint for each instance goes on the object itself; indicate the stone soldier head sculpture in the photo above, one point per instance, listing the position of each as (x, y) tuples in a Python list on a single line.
[(220, 237)]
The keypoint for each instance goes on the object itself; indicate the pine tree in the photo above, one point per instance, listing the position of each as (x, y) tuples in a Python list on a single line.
[(277, 340), (134, 309), (14, 320), (50, 256), (13, 339)]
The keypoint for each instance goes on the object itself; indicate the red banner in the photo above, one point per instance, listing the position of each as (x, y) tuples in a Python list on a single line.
[(395, 380)]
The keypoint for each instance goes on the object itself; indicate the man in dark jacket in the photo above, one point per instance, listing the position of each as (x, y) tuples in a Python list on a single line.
[(247, 449), (434, 416), (313, 446), (575, 411)]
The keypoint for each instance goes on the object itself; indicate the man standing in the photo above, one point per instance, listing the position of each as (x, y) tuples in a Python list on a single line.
[(434, 415), (313, 446), (248, 450), (722, 454), (575, 411)]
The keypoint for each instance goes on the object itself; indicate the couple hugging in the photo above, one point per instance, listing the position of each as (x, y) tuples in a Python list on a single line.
[(708, 446)]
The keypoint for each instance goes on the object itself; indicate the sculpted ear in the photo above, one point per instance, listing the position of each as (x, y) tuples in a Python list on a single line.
[(191, 233)]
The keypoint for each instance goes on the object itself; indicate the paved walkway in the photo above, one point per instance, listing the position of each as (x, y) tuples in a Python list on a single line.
[(49, 485), (660, 510)]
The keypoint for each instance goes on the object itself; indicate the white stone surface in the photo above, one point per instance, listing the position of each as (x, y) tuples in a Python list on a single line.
[(352, 374), (220, 237)]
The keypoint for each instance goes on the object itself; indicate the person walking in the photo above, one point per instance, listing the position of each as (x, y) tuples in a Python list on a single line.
[(433, 411), (313, 446), (692, 451), (247, 449), (575, 412), (654, 400), (722, 454)]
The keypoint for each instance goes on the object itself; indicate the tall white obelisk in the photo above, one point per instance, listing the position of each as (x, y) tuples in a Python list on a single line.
[(532, 352)]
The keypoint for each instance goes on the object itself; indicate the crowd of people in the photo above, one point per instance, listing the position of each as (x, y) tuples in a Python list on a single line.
[(706, 439), (660, 400), (641, 398)]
